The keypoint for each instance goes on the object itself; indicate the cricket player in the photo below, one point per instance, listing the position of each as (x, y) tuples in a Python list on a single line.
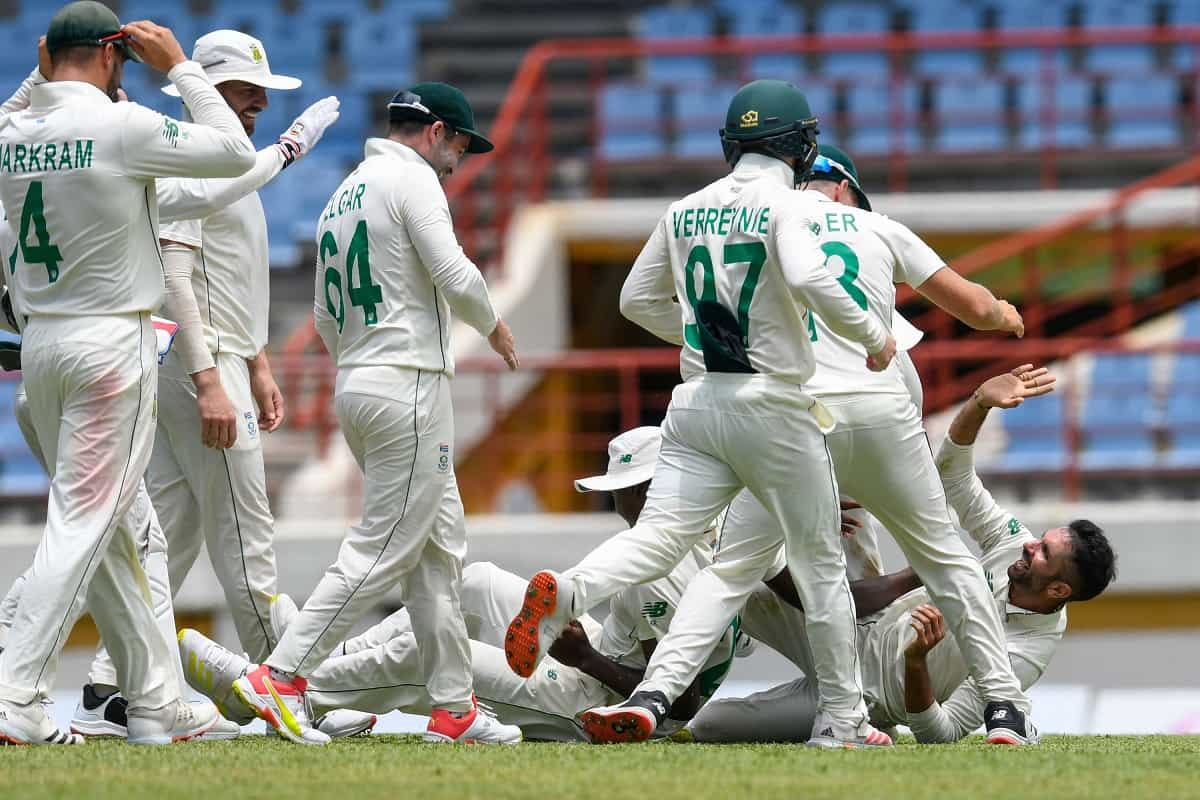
[(742, 256), (880, 454), (915, 675), (380, 670), (390, 279), (77, 178)]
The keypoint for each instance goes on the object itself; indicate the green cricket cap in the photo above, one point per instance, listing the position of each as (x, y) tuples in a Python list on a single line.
[(836, 161), (86, 23), (439, 101)]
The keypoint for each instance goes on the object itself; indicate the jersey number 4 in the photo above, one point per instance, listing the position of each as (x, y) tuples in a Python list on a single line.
[(367, 294), (842, 251), (44, 252)]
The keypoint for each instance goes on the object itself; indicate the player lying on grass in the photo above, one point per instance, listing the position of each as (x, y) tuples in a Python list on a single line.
[(913, 674)]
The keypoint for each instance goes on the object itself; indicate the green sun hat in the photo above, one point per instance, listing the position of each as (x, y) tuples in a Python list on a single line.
[(87, 23), (440, 101), (835, 161)]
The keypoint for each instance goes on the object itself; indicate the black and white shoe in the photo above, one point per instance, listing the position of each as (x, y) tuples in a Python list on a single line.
[(100, 716), (1007, 725), (635, 720)]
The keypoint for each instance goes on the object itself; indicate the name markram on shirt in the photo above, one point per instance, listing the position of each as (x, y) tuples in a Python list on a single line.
[(46, 157)]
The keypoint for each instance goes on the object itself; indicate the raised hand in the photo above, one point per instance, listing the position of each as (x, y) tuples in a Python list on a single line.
[(155, 45), (1013, 388)]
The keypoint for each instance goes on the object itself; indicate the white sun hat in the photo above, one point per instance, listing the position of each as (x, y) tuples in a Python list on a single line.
[(235, 56), (904, 332), (631, 460)]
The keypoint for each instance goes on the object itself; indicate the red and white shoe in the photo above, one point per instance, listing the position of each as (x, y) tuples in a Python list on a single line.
[(477, 726), (830, 735), (544, 613), (280, 703)]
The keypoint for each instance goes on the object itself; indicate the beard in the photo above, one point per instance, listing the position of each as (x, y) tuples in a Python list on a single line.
[(114, 83)]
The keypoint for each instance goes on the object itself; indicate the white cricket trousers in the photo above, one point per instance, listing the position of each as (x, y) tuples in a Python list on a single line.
[(380, 670), (411, 534), (724, 432), (90, 383), (151, 545), (217, 498)]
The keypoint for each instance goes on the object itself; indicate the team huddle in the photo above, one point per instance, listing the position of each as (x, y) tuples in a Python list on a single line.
[(794, 441)]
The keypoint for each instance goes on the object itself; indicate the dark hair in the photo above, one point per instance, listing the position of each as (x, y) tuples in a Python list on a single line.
[(1093, 558), (408, 127), (77, 55)]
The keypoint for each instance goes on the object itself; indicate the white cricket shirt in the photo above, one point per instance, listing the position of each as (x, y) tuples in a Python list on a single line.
[(868, 254), (748, 241), (77, 183), (390, 273)]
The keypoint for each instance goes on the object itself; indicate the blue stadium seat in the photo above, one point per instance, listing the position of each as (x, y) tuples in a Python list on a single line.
[(296, 44), (1121, 371), (670, 22), (853, 17), (1072, 103), (1142, 111), (770, 20), (628, 121), (22, 476), (1035, 432), (1191, 320), (822, 102), (699, 114), (416, 10), (380, 53), (932, 17), (174, 14), (1044, 15), (869, 123), (856, 65), (1183, 425), (970, 115), (1184, 12), (1117, 429), (1118, 58)]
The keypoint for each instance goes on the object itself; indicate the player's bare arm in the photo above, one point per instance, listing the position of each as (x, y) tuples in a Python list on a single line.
[(971, 303), (930, 628), (870, 594), (1003, 391), (501, 340), (266, 392)]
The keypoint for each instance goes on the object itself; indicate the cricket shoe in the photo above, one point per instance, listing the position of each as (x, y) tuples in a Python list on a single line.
[(829, 735), (1007, 725), (635, 720), (211, 670), (280, 702), (544, 614), (100, 716), (342, 723), (177, 721), (477, 726), (30, 724), (282, 611), (223, 730)]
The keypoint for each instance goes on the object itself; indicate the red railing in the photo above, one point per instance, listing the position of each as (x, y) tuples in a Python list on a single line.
[(487, 190)]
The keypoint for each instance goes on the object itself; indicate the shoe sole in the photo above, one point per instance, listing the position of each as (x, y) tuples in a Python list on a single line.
[(267, 715), (157, 741), (825, 743), (99, 728), (521, 644), (617, 727), (1008, 738), (438, 738)]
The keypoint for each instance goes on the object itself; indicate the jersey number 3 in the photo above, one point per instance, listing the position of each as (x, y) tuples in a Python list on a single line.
[(367, 294), (45, 251), (849, 260)]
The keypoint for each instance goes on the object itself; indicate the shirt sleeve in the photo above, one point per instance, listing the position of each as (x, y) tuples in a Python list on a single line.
[(180, 304), (421, 207), (648, 295), (187, 231), (804, 271), (962, 712), (978, 512), (20, 99), (915, 261), (196, 198), (214, 146)]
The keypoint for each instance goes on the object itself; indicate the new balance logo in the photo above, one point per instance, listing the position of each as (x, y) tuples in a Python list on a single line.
[(660, 708), (655, 610), (1001, 713)]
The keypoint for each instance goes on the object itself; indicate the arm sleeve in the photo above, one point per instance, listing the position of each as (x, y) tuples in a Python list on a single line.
[(962, 713), (648, 295), (324, 322), (424, 212), (804, 271), (194, 198), (215, 146), (180, 304), (978, 512), (20, 99), (915, 261), (188, 231)]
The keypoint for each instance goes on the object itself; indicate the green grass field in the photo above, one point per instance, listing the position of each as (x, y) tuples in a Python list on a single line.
[(1071, 768)]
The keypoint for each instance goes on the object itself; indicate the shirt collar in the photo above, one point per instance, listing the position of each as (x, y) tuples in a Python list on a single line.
[(757, 164), (378, 146), (55, 93)]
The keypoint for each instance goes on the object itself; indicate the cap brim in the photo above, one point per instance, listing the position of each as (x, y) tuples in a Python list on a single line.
[(130, 54), (610, 483), (479, 143), (281, 82)]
